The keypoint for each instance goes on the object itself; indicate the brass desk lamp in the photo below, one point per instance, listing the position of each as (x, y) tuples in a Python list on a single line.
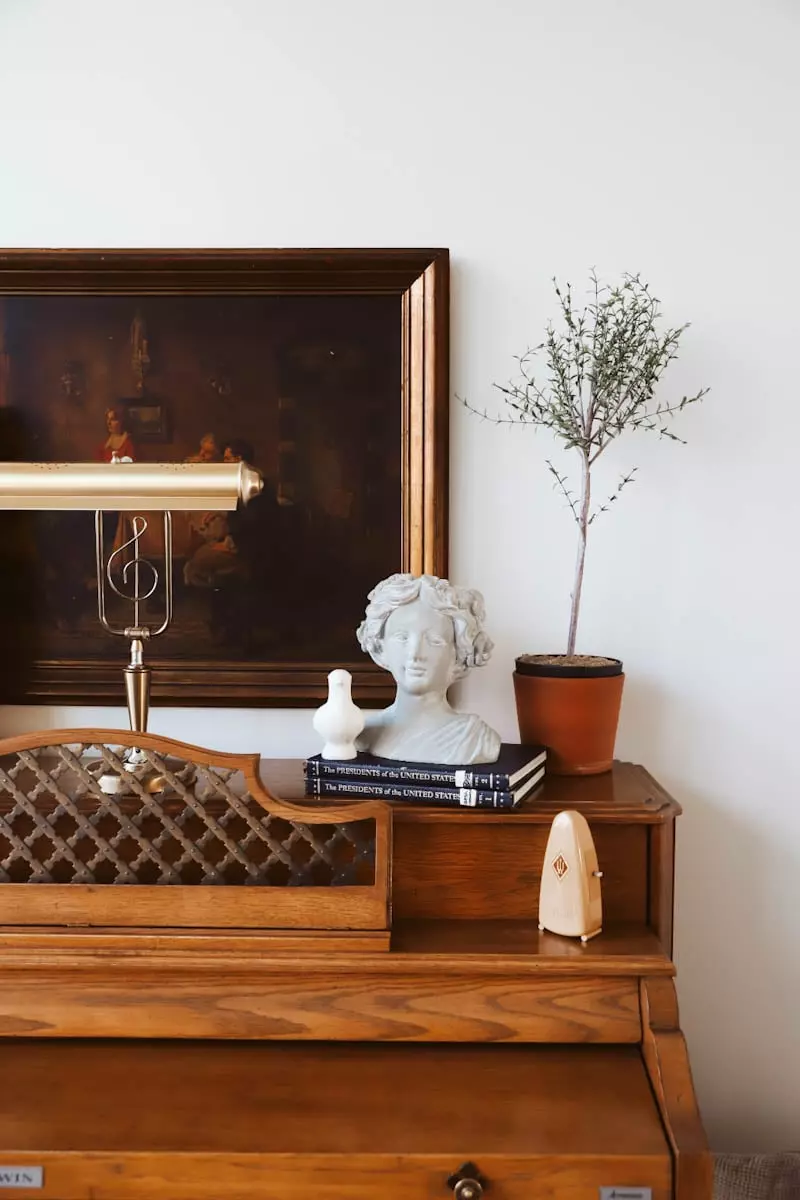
[(123, 486)]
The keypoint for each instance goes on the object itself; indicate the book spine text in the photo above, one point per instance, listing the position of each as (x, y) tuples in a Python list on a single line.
[(337, 771), (453, 797)]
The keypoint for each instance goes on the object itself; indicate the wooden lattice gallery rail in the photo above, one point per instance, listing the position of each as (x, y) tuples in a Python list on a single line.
[(180, 836)]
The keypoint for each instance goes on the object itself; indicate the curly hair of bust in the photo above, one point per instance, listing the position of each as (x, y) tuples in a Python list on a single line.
[(464, 606)]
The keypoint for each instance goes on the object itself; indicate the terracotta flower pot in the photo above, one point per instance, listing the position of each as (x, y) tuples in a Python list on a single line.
[(571, 706)]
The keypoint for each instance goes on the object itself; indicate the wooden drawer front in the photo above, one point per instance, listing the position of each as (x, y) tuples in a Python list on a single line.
[(336, 1177), (396, 1007), (266, 1121)]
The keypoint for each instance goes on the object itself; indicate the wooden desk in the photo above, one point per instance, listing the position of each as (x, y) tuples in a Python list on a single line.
[(198, 1063)]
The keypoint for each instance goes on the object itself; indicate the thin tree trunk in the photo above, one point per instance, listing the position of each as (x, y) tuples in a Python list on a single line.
[(583, 529)]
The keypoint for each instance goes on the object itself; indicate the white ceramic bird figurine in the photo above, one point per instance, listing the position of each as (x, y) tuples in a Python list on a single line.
[(339, 721)]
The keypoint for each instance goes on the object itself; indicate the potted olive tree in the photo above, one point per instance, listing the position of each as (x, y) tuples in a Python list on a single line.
[(602, 363)]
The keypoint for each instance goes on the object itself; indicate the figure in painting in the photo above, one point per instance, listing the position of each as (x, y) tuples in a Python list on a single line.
[(427, 633), (118, 441), (208, 450), (217, 557), (238, 450)]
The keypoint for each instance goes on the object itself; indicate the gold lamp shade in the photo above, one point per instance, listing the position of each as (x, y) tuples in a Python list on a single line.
[(127, 487)]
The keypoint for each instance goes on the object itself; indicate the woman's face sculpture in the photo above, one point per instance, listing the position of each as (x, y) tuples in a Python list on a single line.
[(419, 648)]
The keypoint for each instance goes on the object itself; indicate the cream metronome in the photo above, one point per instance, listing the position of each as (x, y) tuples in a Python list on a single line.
[(570, 902)]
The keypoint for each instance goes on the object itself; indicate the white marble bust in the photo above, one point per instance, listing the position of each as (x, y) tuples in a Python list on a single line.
[(428, 633)]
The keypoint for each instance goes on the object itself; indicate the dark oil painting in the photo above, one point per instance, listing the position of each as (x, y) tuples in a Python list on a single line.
[(304, 387)]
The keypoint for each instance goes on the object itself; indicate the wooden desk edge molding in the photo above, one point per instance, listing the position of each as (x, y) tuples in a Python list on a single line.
[(407, 932)]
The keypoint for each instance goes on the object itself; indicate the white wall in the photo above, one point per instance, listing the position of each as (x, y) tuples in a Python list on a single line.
[(532, 138)]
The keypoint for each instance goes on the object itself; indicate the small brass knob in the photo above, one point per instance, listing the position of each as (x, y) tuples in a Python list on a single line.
[(467, 1183)]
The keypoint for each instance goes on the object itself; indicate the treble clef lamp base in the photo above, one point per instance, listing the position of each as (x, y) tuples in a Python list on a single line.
[(134, 579)]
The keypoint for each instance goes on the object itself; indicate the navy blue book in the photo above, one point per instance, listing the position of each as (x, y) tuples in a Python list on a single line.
[(512, 767), (452, 797)]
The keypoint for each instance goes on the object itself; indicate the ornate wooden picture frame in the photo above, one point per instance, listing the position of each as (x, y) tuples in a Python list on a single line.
[(328, 367)]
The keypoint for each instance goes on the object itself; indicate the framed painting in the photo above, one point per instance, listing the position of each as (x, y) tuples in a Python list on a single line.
[(326, 369)]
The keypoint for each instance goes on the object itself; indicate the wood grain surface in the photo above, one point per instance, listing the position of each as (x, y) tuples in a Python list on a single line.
[(477, 872), (377, 1176), (167, 1121), (314, 1005), (38, 945), (622, 948), (197, 271), (442, 980), (325, 1099), (418, 947), (667, 1062), (104, 905)]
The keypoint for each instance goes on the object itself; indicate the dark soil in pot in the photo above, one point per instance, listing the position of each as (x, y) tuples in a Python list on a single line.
[(568, 666)]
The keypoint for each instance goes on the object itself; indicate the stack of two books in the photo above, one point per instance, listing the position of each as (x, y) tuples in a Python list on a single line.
[(504, 783)]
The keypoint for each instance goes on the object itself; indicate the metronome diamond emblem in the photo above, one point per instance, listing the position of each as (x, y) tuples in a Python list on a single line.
[(560, 866)]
